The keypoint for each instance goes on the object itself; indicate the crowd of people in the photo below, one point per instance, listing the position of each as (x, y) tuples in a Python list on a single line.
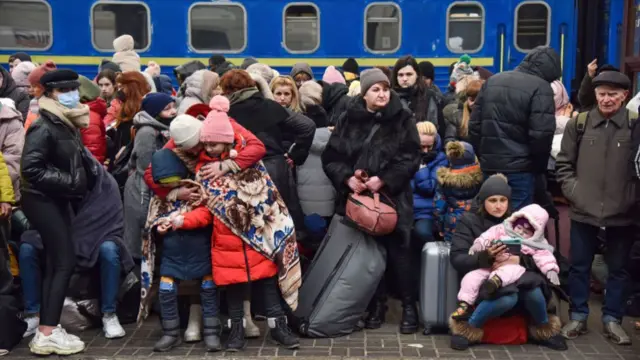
[(232, 177)]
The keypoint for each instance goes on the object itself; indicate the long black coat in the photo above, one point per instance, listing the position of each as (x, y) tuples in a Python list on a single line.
[(513, 120), (393, 155)]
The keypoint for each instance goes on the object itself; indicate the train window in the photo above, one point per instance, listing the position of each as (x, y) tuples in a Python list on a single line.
[(112, 19), (532, 27), (301, 31), (218, 27), (465, 27), (382, 27), (25, 25)]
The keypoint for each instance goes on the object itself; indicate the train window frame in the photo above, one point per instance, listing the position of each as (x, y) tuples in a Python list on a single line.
[(120, 2), (284, 27), (366, 21), (221, 3), (483, 26), (515, 24), (50, 44)]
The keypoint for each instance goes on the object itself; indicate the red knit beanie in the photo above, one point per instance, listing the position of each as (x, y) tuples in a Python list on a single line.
[(217, 127), (36, 74)]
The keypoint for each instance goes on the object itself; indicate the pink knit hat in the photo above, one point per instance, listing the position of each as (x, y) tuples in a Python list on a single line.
[(331, 75), (217, 127)]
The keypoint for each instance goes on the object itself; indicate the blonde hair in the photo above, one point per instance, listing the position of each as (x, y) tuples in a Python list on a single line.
[(472, 90), (295, 96), (426, 128)]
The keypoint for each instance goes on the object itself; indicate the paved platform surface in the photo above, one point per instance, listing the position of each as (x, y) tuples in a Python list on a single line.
[(385, 343)]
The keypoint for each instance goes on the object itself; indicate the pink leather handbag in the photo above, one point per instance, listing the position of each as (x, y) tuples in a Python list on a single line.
[(369, 213)]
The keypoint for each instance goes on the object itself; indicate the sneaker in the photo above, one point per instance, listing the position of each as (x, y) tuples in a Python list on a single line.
[(615, 333), (111, 327), (574, 329), (32, 325), (282, 334), (59, 343)]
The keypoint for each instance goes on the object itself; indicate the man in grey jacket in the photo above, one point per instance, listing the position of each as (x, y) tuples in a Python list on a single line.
[(595, 171)]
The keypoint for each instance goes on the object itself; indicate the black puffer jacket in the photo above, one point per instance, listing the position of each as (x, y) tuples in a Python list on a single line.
[(8, 89), (513, 120), (334, 100), (52, 159), (393, 155)]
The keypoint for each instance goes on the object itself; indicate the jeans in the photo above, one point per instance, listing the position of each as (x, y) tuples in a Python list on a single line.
[(533, 301), (267, 290), (31, 273), (522, 188), (423, 230), (168, 296), (584, 244)]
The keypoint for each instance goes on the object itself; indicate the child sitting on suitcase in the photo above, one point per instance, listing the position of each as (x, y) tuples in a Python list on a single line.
[(186, 253), (522, 233)]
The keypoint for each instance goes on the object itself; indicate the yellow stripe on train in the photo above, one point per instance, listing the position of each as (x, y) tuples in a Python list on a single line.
[(274, 62)]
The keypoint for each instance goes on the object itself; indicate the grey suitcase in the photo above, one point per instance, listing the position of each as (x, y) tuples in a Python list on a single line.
[(439, 285), (340, 282)]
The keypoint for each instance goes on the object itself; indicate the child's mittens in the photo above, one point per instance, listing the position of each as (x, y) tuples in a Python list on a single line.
[(553, 278), (177, 221)]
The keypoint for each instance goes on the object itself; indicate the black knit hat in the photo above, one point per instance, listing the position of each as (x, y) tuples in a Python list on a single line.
[(427, 69), (108, 64), (495, 185), (351, 65), (22, 56), (60, 79), (216, 60), (615, 79)]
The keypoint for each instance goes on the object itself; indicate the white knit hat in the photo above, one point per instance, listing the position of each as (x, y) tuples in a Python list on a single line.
[(185, 131)]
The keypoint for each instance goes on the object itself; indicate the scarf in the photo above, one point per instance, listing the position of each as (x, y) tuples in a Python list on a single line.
[(160, 211), (242, 95), (77, 118)]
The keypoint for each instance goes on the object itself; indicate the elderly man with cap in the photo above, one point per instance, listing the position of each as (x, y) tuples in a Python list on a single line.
[(56, 174), (594, 170)]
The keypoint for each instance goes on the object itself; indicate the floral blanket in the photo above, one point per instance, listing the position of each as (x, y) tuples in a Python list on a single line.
[(159, 211), (251, 206)]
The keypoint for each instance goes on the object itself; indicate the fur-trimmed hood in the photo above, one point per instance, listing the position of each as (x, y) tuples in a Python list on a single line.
[(466, 178)]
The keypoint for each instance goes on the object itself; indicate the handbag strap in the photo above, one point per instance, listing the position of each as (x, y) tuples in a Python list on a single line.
[(373, 131)]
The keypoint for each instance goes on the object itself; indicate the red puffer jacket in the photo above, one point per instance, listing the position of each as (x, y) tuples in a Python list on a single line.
[(94, 137), (230, 254)]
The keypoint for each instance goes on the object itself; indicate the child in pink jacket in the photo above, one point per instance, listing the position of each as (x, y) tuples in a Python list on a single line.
[(525, 230)]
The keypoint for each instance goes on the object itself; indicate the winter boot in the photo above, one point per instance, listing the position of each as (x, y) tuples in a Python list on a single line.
[(236, 341), (171, 337), (463, 335), (212, 331), (193, 334), (491, 285), (251, 331), (463, 312), (282, 334), (377, 314), (409, 323), (548, 334)]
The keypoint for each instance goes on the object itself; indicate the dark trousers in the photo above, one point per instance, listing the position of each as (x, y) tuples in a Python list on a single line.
[(584, 246), (52, 219), (266, 289), (168, 296), (399, 272)]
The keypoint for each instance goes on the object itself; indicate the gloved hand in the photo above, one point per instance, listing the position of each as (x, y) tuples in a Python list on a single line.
[(553, 277)]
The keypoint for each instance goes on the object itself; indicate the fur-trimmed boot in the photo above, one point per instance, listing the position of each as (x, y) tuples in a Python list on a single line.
[(548, 334), (464, 335)]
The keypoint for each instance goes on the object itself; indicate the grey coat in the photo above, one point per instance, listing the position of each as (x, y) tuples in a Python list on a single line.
[(151, 135), (315, 191), (596, 175)]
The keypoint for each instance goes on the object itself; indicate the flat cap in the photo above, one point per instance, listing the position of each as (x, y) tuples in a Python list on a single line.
[(60, 79), (615, 79)]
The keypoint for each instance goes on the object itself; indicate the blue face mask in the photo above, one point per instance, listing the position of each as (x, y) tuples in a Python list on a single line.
[(69, 99)]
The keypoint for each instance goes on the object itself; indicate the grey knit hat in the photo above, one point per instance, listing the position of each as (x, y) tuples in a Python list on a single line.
[(370, 77), (495, 185)]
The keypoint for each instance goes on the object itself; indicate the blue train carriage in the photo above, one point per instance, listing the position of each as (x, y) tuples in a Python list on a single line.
[(496, 33)]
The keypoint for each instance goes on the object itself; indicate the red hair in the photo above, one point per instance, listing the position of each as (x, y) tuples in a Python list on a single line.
[(236, 80), (134, 86)]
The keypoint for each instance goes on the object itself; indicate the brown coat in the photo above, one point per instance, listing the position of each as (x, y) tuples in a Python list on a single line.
[(597, 177)]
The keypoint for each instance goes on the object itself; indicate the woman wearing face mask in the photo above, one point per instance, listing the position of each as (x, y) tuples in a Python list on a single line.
[(390, 159), (107, 82), (491, 207), (457, 114), (57, 172), (151, 134), (409, 84)]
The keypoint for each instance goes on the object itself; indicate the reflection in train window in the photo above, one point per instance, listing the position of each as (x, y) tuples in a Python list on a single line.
[(465, 27), (383, 27), (25, 25), (532, 25), (112, 19), (218, 27), (301, 28)]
